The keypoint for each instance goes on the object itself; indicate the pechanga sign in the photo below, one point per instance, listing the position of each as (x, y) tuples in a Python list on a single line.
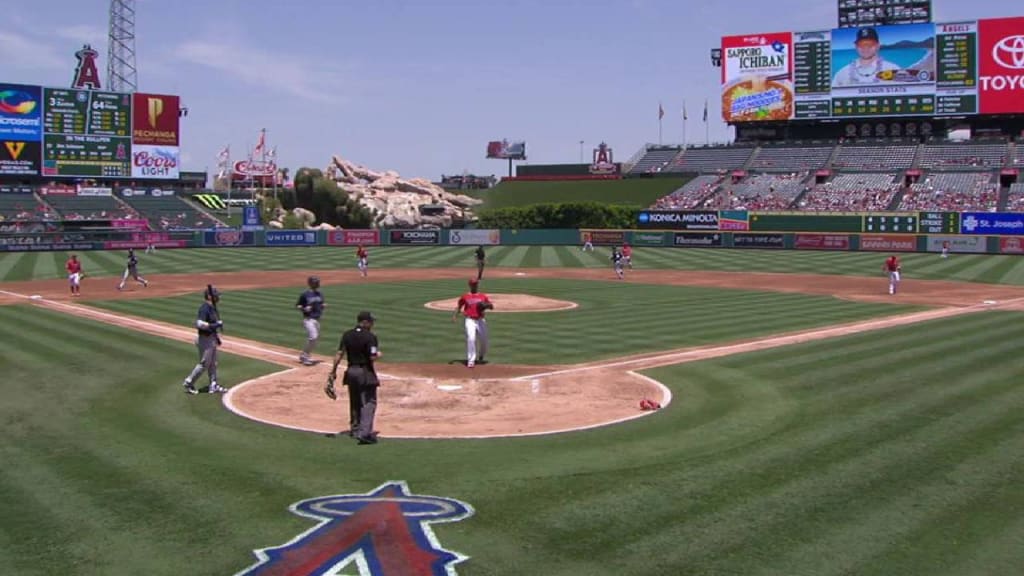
[(679, 220)]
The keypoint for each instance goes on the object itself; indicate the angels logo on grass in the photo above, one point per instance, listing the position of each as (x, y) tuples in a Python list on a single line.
[(385, 532)]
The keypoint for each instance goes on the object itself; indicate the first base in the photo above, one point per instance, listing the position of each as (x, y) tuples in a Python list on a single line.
[(35, 297)]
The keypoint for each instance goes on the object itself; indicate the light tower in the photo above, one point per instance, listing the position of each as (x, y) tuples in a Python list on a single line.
[(121, 73)]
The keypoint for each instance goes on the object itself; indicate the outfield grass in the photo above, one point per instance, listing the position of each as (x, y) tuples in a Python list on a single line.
[(639, 192), (613, 318), (888, 453), (968, 268)]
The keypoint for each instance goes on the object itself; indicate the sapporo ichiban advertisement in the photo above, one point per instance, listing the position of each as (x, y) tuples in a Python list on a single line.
[(757, 77)]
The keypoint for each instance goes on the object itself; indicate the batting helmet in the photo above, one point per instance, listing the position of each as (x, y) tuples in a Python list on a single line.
[(313, 281)]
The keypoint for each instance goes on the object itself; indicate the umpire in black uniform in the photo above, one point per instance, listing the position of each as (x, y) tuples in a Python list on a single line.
[(481, 260), (361, 346)]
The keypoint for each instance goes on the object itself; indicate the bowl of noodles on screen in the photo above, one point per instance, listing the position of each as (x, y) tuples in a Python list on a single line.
[(757, 98)]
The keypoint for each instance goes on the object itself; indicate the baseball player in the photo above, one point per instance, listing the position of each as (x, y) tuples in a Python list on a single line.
[(627, 255), (208, 324), (481, 260), (588, 243), (945, 249), (473, 305), (132, 269), (74, 268), (311, 303), (892, 267), (616, 259), (361, 346), (362, 260)]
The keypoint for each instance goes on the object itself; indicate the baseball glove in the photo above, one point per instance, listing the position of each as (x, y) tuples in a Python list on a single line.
[(484, 306), (329, 388)]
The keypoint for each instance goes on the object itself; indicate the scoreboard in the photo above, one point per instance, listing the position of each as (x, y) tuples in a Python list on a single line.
[(86, 133)]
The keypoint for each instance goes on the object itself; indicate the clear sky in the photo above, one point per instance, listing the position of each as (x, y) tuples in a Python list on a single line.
[(420, 86)]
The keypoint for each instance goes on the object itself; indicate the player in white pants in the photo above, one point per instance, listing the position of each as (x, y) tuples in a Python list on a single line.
[(893, 268), (474, 305)]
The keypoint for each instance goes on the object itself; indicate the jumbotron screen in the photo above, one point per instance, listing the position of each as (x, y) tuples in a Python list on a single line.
[(952, 69)]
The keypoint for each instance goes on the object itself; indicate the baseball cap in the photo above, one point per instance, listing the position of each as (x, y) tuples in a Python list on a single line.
[(867, 34), (366, 316), (473, 281)]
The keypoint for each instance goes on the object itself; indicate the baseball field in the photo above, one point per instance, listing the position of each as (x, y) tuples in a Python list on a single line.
[(811, 424)]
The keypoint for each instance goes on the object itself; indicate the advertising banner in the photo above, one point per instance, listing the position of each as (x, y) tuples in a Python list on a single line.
[(290, 238), (16, 190), (697, 240), (887, 243), (734, 220), (19, 158), (155, 119), (94, 191), (415, 237), (21, 113), (965, 244), (679, 220), (155, 161), (648, 239), (126, 244), (250, 216), (994, 223), (757, 77), (603, 237), (48, 247), (1011, 246), (58, 190), (460, 237), (228, 237), (776, 241), (353, 237), (821, 242), (130, 224), (1001, 65)]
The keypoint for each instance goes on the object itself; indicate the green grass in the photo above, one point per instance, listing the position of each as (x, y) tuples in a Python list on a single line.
[(994, 269), (639, 192), (889, 453), (613, 319)]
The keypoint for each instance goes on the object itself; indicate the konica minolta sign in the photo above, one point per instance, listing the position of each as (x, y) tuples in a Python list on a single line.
[(678, 219)]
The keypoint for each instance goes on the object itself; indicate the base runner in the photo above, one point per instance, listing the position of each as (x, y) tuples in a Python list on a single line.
[(362, 260), (473, 305), (893, 268), (132, 269), (616, 259), (208, 324), (74, 268), (311, 304)]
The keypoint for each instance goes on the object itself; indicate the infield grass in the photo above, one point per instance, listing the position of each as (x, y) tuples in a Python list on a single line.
[(896, 452), (994, 269)]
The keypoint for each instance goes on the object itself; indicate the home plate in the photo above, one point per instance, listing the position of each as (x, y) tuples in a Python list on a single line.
[(448, 387), (990, 302)]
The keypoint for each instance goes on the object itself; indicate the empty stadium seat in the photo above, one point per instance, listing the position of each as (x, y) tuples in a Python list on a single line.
[(656, 159), (963, 191), (963, 156), (862, 191), (761, 192), (23, 207), (170, 213), (791, 159), (89, 207), (702, 160), (875, 158)]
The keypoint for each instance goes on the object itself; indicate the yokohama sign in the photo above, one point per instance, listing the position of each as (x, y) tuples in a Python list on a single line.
[(1001, 65)]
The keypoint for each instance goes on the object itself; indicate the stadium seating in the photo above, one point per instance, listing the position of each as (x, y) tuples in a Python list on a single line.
[(170, 213), (963, 191), (690, 195), (761, 192), (964, 156), (863, 191), (785, 159), (1015, 202), (23, 207), (703, 160), (655, 159), (89, 207), (1018, 155), (875, 158)]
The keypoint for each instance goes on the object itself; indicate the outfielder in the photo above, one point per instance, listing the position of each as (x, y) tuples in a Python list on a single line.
[(208, 324), (74, 268), (132, 269), (474, 304), (362, 260), (945, 249), (588, 243), (311, 303), (892, 266), (627, 255), (481, 261), (616, 259)]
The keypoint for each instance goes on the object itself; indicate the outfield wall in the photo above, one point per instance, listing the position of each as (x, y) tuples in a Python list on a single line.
[(967, 232)]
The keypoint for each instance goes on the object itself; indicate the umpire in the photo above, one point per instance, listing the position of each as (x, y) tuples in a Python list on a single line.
[(361, 346), (481, 261)]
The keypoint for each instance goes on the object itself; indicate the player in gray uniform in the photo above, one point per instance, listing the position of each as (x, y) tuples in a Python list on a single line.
[(132, 269), (311, 303), (208, 323), (617, 263)]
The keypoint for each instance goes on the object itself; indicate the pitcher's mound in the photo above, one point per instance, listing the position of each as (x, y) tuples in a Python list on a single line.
[(511, 303)]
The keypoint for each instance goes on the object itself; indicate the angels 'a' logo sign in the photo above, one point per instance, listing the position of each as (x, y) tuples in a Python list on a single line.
[(385, 532), (86, 73)]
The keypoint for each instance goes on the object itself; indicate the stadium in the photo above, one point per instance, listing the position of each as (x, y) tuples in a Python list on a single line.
[(805, 363)]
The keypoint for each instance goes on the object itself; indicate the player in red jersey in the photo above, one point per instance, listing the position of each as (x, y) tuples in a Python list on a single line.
[(627, 255), (74, 268), (892, 267), (474, 304), (362, 260)]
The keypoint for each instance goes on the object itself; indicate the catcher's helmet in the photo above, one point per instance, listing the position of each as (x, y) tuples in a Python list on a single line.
[(313, 281)]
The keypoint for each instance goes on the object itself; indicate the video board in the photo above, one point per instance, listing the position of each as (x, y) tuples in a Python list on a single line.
[(79, 133), (926, 69)]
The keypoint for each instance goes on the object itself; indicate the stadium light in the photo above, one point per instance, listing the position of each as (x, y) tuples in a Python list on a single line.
[(716, 57)]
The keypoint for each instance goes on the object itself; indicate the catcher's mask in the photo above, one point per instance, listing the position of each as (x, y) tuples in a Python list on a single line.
[(313, 282)]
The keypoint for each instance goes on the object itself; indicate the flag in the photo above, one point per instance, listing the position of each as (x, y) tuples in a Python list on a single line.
[(272, 153), (262, 142), (224, 154), (661, 111), (705, 110), (685, 118)]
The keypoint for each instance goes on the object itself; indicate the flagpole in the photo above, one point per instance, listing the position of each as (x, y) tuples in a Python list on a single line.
[(684, 124), (707, 131)]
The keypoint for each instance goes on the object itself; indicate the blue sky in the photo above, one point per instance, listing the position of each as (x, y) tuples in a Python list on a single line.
[(421, 86)]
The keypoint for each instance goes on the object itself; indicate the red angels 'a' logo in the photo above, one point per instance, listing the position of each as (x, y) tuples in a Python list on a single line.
[(86, 74)]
